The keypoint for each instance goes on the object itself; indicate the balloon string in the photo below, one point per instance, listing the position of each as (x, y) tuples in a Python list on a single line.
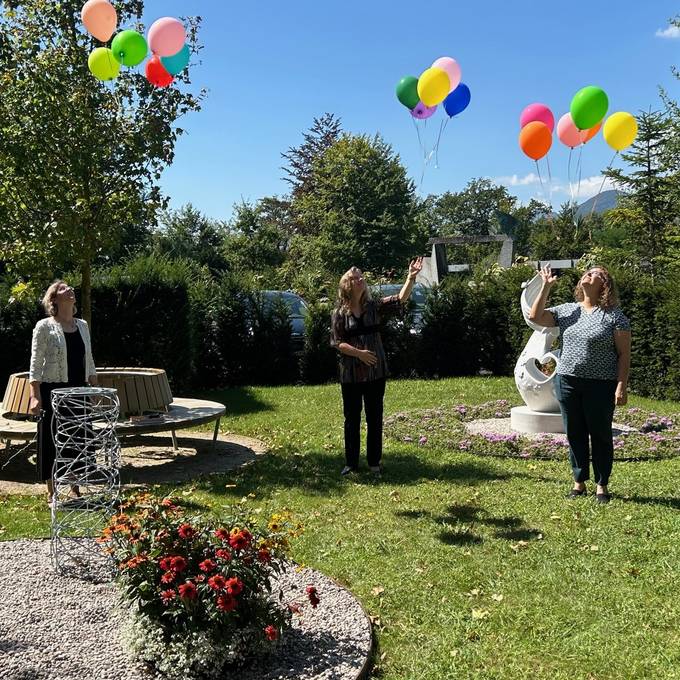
[(547, 161), (579, 168), (604, 179), (442, 127), (540, 179), (571, 188)]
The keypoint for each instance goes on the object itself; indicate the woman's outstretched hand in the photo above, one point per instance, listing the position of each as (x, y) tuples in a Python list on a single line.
[(548, 277), (414, 267)]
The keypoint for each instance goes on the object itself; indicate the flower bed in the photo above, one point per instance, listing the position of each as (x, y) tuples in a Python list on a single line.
[(653, 436), (201, 596)]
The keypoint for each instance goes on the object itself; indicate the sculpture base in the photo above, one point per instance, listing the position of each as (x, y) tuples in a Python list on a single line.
[(523, 419)]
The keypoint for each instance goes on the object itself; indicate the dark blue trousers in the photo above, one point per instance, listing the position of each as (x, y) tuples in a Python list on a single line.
[(587, 407)]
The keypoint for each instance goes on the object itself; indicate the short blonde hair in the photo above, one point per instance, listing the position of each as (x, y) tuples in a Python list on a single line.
[(609, 296), (49, 301), (345, 291)]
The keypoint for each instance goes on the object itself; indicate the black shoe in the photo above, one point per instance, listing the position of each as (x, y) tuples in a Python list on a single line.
[(602, 498), (348, 469), (577, 493)]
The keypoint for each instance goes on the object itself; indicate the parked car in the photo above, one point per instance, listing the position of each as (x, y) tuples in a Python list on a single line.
[(418, 299), (297, 311)]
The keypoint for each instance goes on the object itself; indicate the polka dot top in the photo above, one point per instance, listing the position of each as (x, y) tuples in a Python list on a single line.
[(588, 347)]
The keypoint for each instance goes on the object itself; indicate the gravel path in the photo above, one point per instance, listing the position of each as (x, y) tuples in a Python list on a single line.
[(57, 628), (502, 426)]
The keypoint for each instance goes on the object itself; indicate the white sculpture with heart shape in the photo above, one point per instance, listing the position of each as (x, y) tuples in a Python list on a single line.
[(542, 412)]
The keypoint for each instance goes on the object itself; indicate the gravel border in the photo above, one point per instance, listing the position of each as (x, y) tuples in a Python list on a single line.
[(502, 426), (58, 628)]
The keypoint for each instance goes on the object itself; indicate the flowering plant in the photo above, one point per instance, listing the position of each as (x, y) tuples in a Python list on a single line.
[(201, 594)]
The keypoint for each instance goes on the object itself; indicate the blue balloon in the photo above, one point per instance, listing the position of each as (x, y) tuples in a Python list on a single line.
[(176, 63), (457, 100)]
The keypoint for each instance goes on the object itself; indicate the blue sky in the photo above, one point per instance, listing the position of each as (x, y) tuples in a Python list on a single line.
[(271, 67)]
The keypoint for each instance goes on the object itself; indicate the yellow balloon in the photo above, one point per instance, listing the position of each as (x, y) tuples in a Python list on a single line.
[(102, 64), (620, 130), (433, 86)]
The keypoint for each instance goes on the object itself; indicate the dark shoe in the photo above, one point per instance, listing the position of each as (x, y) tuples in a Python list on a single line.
[(577, 493), (376, 470), (348, 469), (603, 498)]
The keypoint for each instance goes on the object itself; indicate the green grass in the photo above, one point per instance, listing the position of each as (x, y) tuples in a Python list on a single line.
[(471, 567)]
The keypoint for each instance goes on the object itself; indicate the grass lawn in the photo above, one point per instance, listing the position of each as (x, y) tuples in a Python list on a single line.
[(471, 567)]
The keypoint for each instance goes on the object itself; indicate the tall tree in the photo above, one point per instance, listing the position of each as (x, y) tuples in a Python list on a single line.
[(80, 160), (649, 181)]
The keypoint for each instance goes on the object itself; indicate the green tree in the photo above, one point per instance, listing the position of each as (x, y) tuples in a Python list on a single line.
[(363, 207), (188, 234), (562, 236), (80, 160)]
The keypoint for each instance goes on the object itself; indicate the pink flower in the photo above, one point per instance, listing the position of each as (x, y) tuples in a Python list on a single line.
[(167, 595), (188, 591), (234, 586), (207, 566)]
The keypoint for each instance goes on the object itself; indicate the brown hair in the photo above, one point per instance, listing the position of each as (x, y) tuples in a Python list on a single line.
[(49, 301), (609, 296), (345, 291)]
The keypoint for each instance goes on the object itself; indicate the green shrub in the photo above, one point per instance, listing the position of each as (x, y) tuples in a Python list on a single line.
[(319, 361)]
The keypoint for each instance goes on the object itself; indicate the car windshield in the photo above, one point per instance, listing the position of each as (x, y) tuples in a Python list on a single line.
[(418, 294), (296, 305)]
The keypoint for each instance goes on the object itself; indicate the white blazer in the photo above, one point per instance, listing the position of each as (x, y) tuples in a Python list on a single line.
[(48, 351)]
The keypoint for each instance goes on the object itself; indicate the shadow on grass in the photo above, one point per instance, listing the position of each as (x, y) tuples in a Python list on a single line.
[(664, 501), (237, 400), (317, 472), (463, 518)]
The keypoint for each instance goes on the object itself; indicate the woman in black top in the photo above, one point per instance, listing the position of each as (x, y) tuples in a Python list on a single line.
[(355, 333), (59, 303)]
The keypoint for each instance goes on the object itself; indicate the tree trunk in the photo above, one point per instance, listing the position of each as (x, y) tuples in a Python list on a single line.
[(86, 289)]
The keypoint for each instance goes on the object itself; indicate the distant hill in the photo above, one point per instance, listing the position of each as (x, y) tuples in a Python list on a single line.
[(605, 201)]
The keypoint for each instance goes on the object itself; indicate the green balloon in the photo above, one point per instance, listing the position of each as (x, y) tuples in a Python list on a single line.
[(407, 92), (129, 48), (102, 65), (588, 107)]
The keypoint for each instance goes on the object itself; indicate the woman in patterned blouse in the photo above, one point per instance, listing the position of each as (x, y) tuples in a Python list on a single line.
[(355, 333), (592, 372)]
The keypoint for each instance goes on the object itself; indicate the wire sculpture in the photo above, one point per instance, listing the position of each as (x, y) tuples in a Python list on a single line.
[(86, 477)]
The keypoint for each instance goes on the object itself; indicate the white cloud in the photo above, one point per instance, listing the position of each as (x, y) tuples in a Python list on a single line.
[(516, 181), (668, 32), (588, 187)]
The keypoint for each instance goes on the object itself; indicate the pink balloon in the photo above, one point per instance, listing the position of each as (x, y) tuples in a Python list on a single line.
[(421, 112), (166, 37), (100, 19), (452, 69), (567, 132), (539, 112)]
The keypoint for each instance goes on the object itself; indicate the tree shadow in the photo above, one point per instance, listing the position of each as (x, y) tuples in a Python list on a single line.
[(666, 501)]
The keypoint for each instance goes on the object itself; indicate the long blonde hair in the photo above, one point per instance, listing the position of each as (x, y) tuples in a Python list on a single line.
[(49, 301), (345, 291), (609, 296)]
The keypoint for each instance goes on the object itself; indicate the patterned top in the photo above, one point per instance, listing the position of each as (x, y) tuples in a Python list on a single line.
[(362, 333), (588, 347)]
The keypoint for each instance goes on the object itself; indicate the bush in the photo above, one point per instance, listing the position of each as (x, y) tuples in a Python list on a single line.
[(199, 594), (319, 361)]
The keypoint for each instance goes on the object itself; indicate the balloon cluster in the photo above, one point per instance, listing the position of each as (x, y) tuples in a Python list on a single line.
[(576, 127), (166, 40), (439, 84)]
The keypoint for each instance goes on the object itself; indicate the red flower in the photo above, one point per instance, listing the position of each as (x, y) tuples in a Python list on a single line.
[(199, 578), (207, 566), (178, 564), (264, 555), (313, 596), (167, 595), (239, 540), (271, 632), (223, 554), (234, 586), (217, 582), (186, 531), (222, 534), (168, 577), (226, 603), (188, 591), (166, 563), (167, 503)]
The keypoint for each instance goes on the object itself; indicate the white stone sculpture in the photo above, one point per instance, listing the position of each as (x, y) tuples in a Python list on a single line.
[(542, 412)]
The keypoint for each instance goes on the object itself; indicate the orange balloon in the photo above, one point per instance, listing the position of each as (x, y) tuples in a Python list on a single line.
[(535, 139), (100, 18), (587, 135)]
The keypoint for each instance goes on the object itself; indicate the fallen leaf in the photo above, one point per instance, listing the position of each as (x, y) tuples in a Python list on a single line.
[(555, 517), (377, 591), (474, 592), (594, 548), (497, 597), (480, 614), (230, 486), (383, 656)]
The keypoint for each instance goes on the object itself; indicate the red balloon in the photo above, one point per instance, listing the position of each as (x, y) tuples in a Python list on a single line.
[(156, 73)]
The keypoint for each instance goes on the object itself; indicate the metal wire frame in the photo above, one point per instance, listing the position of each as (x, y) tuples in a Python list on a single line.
[(87, 458)]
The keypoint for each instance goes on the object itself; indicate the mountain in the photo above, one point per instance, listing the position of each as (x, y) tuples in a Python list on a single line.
[(605, 201)]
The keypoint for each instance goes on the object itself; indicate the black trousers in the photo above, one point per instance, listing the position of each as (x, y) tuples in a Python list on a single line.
[(587, 411), (372, 394)]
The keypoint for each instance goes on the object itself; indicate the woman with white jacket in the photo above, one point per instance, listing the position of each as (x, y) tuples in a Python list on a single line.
[(61, 356)]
